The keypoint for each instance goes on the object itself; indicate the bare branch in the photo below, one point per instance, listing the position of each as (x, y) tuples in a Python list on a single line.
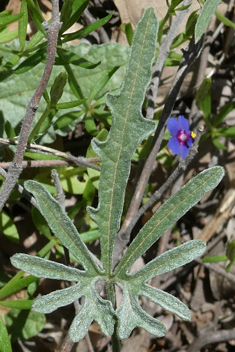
[(21, 190), (79, 161)]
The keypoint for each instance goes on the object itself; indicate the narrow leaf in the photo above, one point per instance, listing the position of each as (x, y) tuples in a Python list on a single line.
[(40, 267), (208, 9), (61, 225), (86, 30), (172, 210), (5, 345), (129, 128), (225, 110), (166, 301), (171, 260), (23, 21), (9, 19), (20, 304), (54, 300)]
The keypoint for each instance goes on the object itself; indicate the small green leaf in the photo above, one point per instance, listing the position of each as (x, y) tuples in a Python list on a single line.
[(5, 344), (128, 30), (202, 92), (90, 125), (225, 110), (217, 144), (6, 36), (36, 15), (9, 130), (77, 10), (5, 20), (23, 324), (58, 88), (40, 223), (98, 87), (8, 227), (215, 259), (207, 11), (225, 20), (226, 131), (20, 304), (66, 13), (69, 57), (31, 61), (86, 30), (23, 22), (16, 284), (230, 253)]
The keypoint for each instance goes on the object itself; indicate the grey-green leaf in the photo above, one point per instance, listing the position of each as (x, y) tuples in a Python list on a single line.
[(165, 300), (131, 315), (207, 11), (172, 210), (61, 225), (94, 308), (61, 298), (171, 260), (128, 130), (40, 267)]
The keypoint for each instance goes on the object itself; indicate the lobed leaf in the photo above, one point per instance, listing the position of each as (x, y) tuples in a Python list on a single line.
[(131, 315), (129, 128), (94, 308)]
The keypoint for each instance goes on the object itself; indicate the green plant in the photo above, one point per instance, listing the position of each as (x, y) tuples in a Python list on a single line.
[(128, 130), (114, 150)]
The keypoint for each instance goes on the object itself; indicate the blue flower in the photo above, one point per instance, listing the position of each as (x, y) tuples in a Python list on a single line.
[(182, 138)]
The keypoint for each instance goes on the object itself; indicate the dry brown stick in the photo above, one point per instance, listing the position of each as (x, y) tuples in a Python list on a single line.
[(21, 190), (16, 166), (80, 161), (211, 338), (37, 163)]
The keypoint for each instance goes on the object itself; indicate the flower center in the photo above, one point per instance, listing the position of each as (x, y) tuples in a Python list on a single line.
[(182, 137)]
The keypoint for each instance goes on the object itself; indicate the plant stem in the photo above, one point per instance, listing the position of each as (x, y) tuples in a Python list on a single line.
[(116, 345)]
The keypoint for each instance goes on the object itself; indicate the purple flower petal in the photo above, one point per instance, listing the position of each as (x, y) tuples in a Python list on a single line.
[(174, 145), (173, 126), (183, 124), (184, 150), (189, 142)]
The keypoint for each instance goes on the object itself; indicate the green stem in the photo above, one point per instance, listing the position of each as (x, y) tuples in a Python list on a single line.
[(76, 89), (116, 345), (39, 123)]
